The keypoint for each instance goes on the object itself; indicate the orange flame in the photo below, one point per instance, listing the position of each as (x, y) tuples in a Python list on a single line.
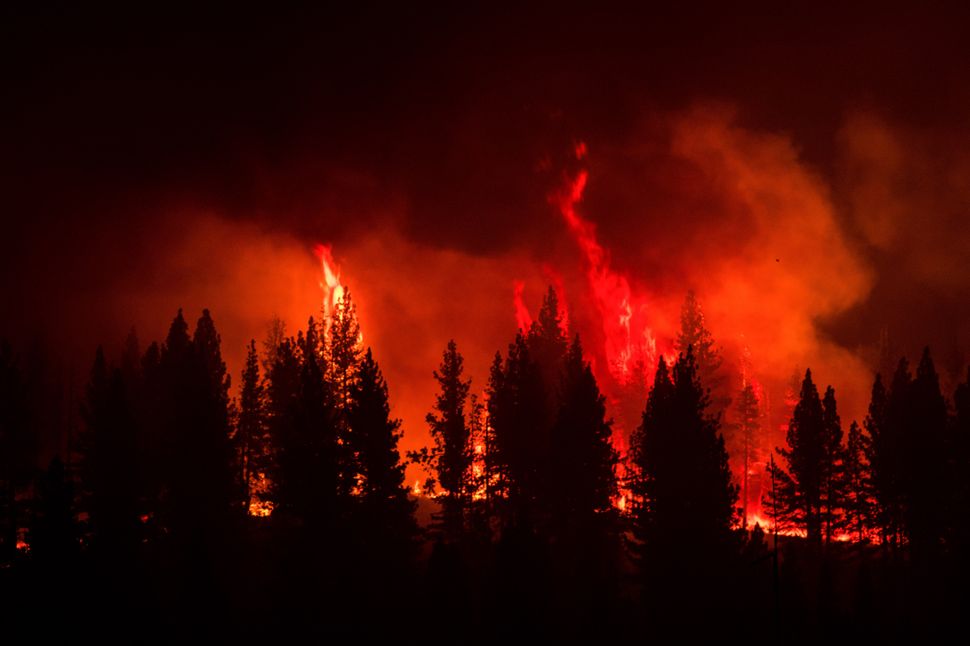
[(333, 290)]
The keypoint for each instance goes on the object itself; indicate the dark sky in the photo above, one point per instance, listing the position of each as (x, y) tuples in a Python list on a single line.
[(450, 127)]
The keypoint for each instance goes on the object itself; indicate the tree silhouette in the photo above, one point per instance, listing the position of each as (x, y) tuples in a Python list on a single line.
[(517, 412), (582, 484), (304, 432), (924, 439), (799, 488), (450, 460), (832, 465), (342, 353), (383, 493), (683, 510), (581, 457), (17, 446), (383, 526), (250, 439), (53, 536), (109, 464), (959, 475), (884, 455), (694, 334), (197, 480), (857, 484), (748, 426)]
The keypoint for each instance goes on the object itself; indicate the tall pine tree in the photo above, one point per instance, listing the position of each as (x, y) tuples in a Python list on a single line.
[(450, 460), (748, 416), (684, 504), (109, 464), (799, 490), (694, 334)]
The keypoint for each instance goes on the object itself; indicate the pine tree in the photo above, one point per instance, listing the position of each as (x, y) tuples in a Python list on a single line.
[(581, 455), (748, 424), (304, 433), (283, 397), (109, 463), (800, 484), (832, 465), (387, 512), (959, 472), (694, 334), (343, 351), (547, 348), (16, 449), (857, 484), (884, 455), (251, 445), (924, 442), (450, 460), (197, 477), (517, 412), (53, 535), (684, 498)]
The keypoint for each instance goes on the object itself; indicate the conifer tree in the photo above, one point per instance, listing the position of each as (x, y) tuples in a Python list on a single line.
[(959, 472), (547, 348), (684, 504), (450, 460), (581, 455), (109, 463), (251, 445), (283, 397), (53, 535), (748, 425), (197, 479), (799, 487), (387, 510), (856, 484), (517, 412), (16, 449), (884, 454), (305, 433), (832, 465), (694, 334), (343, 351), (924, 442)]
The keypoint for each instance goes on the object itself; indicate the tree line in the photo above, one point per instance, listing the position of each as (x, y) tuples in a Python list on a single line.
[(285, 508)]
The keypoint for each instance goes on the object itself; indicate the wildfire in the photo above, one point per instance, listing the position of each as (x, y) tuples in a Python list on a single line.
[(522, 317), (629, 339), (333, 290), (258, 505)]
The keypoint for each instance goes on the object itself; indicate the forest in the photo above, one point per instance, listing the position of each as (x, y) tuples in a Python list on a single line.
[(187, 508)]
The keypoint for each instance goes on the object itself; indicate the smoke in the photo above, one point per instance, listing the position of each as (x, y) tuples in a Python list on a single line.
[(796, 264)]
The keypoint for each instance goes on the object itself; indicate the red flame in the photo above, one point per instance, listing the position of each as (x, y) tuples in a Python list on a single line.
[(623, 313)]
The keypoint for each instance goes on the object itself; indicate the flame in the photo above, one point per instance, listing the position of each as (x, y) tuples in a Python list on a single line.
[(333, 290), (258, 490), (623, 313), (522, 317)]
